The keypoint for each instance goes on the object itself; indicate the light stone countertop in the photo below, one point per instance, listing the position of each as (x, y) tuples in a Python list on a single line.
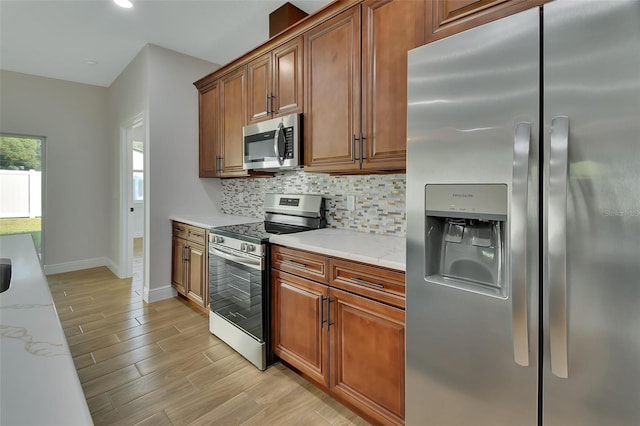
[(382, 250), (375, 249), (38, 380), (209, 222)]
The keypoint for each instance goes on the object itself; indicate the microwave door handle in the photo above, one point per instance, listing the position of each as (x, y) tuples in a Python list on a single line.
[(276, 149)]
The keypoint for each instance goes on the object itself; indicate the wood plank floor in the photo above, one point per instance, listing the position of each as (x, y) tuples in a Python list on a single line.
[(157, 364)]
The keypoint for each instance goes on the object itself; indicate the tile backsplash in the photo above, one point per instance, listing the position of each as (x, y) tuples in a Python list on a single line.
[(379, 199)]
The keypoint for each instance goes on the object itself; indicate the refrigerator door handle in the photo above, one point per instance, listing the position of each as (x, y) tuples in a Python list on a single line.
[(519, 197), (557, 246)]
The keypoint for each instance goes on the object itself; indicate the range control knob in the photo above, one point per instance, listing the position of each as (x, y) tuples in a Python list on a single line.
[(251, 247), (218, 240), (243, 247)]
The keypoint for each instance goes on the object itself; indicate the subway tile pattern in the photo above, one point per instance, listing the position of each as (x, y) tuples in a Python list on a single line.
[(379, 207)]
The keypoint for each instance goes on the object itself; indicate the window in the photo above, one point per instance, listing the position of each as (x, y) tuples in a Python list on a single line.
[(138, 172), (21, 186)]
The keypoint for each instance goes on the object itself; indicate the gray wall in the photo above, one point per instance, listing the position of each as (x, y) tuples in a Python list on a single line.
[(82, 124), (128, 97), (172, 151), (72, 117)]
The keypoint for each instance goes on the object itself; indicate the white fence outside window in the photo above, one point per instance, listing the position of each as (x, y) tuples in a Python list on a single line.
[(20, 193)]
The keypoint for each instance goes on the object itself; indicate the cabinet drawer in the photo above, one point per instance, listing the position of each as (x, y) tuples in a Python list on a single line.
[(301, 263), (383, 285), (180, 230), (197, 235), (188, 232)]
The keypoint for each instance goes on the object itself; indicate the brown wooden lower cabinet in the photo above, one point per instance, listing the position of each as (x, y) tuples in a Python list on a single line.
[(189, 270), (178, 277), (350, 345), (299, 333), (196, 274), (367, 355)]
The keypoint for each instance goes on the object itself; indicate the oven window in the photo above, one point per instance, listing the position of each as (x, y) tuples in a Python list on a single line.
[(235, 293)]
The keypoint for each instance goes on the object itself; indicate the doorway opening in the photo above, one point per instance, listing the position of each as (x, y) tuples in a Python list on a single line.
[(22, 186), (133, 135)]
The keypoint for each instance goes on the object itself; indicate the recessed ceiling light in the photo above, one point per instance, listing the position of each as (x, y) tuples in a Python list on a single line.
[(91, 62), (124, 3)]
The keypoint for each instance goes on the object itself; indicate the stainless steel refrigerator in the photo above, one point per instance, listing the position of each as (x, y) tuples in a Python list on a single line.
[(523, 221)]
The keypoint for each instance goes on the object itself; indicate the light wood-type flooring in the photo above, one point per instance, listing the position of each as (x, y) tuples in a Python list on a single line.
[(158, 364)]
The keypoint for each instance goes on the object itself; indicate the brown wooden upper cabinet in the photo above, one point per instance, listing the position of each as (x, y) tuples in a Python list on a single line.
[(356, 94), (222, 113), (275, 82), (446, 17), (209, 144), (233, 88)]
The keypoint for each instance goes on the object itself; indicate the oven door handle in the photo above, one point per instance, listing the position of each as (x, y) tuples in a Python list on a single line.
[(251, 262)]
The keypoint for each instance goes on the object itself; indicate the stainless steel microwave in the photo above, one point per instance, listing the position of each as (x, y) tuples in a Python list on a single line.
[(272, 144)]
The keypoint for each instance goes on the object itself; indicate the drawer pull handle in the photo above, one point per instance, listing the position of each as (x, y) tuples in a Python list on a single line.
[(297, 264), (196, 235), (370, 284)]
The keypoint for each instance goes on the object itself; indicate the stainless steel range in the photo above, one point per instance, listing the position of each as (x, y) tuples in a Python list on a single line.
[(239, 286)]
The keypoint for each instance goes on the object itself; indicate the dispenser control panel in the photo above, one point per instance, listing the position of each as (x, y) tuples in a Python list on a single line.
[(474, 201)]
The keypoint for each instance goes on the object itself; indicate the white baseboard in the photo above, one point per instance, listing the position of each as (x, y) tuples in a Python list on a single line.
[(117, 271), (156, 294), (59, 268), (149, 295)]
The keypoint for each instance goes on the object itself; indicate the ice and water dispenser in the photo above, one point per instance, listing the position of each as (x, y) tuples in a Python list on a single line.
[(465, 237)]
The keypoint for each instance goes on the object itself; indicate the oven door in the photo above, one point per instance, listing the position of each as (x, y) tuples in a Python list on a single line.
[(236, 289)]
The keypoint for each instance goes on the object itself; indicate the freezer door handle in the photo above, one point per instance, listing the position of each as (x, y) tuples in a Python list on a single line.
[(557, 246), (519, 196)]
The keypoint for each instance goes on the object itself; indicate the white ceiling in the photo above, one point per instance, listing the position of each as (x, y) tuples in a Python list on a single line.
[(55, 38)]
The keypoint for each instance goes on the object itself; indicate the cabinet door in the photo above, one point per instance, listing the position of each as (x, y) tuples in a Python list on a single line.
[(446, 17), (177, 264), (389, 30), (196, 274), (287, 78), (299, 331), (209, 132), (259, 88), (332, 93), (233, 116), (367, 355)]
